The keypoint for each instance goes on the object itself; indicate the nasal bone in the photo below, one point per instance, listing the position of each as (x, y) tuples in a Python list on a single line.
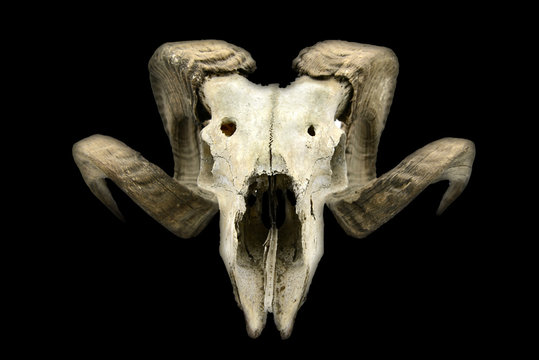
[(270, 257), (270, 249)]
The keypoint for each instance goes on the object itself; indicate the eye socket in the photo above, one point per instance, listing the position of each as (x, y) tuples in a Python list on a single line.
[(228, 126), (311, 131)]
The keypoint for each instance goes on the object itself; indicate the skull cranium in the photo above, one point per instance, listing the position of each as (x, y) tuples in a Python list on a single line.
[(269, 159)]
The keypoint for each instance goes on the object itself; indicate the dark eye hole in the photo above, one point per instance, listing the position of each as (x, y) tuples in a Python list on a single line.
[(311, 131), (228, 126)]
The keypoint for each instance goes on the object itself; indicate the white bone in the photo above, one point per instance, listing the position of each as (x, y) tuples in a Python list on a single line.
[(286, 132)]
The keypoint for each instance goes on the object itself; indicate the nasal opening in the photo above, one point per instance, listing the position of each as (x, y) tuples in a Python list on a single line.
[(276, 195), (270, 203)]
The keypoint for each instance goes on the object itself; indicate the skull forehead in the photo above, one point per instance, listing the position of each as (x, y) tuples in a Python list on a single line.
[(304, 131), (310, 99), (236, 97), (277, 130), (304, 98)]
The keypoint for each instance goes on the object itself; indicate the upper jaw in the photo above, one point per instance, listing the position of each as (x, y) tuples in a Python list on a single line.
[(271, 243)]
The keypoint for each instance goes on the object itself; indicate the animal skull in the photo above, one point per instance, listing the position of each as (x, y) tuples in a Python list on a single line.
[(269, 159)]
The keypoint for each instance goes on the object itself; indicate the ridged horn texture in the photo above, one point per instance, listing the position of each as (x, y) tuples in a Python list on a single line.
[(360, 210), (177, 70), (368, 202), (172, 204)]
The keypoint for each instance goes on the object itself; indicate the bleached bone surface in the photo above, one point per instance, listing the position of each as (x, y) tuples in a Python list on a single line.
[(285, 141), (269, 158)]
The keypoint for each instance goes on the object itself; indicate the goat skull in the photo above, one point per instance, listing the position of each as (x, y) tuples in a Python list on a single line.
[(269, 159)]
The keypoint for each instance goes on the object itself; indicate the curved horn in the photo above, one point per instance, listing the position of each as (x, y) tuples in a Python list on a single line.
[(362, 209), (178, 208), (369, 202), (371, 72), (177, 70)]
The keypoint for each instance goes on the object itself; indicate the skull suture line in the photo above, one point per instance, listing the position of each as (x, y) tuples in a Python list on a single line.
[(269, 159)]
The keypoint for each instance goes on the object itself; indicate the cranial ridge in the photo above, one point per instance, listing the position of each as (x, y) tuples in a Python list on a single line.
[(269, 159)]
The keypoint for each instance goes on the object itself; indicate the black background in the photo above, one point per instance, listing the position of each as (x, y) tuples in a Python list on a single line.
[(421, 284)]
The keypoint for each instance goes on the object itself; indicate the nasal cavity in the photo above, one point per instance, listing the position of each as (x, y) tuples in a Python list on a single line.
[(228, 126), (280, 211), (311, 131)]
